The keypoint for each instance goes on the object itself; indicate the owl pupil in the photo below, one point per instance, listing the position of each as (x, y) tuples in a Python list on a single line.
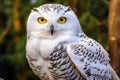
[(42, 19), (61, 19)]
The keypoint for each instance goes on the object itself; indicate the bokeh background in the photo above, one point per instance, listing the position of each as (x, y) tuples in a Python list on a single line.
[(100, 20)]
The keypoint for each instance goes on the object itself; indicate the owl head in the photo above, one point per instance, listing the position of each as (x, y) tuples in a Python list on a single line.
[(52, 20)]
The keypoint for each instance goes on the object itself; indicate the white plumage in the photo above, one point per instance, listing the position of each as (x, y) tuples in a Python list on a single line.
[(58, 49)]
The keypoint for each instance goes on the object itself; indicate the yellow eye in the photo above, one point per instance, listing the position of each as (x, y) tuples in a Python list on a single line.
[(62, 20), (42, 20)]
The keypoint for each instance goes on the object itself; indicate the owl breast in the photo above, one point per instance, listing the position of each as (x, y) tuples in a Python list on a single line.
[(56, 59), (60, 65), (56, 63)]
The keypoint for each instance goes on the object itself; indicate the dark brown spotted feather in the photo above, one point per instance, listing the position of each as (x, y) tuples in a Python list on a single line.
[(37, 69), (87, 56), (54, 7), (61, 65)]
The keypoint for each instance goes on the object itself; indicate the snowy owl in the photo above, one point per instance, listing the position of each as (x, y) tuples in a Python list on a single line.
[(58, 49)]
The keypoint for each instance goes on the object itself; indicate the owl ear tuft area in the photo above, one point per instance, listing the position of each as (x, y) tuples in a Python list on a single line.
[(68, 9), (35, 10)]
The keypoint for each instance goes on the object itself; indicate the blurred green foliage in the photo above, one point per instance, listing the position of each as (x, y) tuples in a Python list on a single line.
[(92, 14)]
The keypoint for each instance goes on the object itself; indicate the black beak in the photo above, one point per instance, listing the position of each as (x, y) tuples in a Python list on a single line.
[(52, 29)]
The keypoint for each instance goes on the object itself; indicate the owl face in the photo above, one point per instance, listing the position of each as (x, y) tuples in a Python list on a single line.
[(52, 20)]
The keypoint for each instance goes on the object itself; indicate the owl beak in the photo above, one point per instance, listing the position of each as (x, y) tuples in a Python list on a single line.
[(51, 29)]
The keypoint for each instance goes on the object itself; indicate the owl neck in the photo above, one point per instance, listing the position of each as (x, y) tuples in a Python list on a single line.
[(51, 43)]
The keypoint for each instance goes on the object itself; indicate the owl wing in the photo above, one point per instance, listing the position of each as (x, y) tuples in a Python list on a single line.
[(90, 59)]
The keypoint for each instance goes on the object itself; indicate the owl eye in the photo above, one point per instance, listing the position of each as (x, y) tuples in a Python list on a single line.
[(42, 20), (62, 20)]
